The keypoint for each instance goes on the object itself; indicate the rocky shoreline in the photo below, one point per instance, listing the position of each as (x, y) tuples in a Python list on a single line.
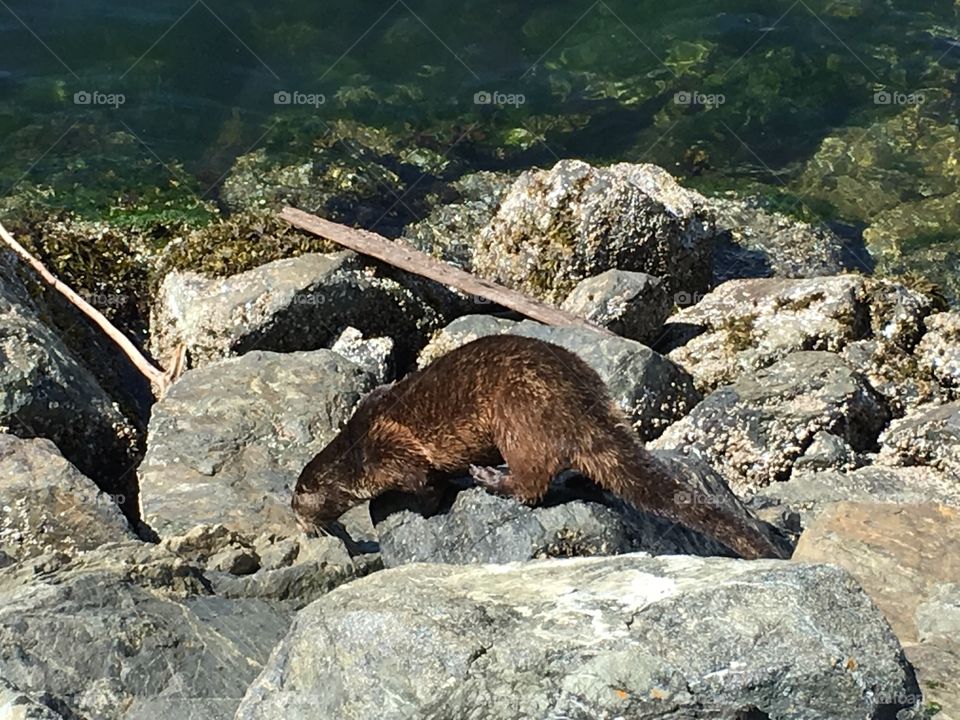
[(155, 569)]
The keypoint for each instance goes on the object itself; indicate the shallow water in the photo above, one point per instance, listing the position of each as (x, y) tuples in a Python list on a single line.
[(731, 94)]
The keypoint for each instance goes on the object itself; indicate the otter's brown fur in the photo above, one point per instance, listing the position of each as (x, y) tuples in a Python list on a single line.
[(529, 403)]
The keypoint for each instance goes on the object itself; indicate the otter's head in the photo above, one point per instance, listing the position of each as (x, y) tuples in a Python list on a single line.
[(332, 482)]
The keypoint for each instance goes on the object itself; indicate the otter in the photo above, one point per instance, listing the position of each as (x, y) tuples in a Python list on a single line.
[(531, 404)]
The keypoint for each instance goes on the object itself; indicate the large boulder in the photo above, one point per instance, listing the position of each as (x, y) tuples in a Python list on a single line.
[(560, 226), (130, 632), (746, 325), (648, 387), (574, 519), (45, 391), (46, 504), (754, 430), (627, 637), (907, 558), (228, 441), (300, 303)]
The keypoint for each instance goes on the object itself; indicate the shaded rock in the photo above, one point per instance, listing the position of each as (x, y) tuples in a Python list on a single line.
[(560, 226), (754, 241), (939, 350), (129, 630), (46, 392), (929, 435), (634, 305), (902, 555), (575, 519), (754, 430), (236, 561), (745, 325), (47, 505), (229, 440), (301, 303), (650, 389), (807, 492), (450, 231), (628, 636), (15, 705), (374, 355)]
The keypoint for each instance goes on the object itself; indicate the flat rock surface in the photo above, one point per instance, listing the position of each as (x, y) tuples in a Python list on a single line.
[(627, 636), (229, 440), (907, 558)]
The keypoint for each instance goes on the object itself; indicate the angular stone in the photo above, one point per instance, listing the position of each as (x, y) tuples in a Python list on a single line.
[(627, 636), (632, 305), (928, 435), (229, 440)]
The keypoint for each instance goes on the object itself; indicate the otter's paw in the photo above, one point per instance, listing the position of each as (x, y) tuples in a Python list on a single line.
[(490, 478)]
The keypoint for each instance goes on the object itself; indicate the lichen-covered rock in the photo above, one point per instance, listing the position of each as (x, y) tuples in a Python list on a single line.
[(227, 442), (450, 231), (573, 520), (560, 226), (754, 430), (648, 387), (47, 505), (906, 557), (627, 637), (130, 632), (375, 355), (939, 349), (754, 241), (300, 303), (16, 705), (745, 325), (929, 435), (46, 392), (633, 305)]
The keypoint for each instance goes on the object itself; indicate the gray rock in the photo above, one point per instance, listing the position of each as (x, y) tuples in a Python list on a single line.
[(754, 430), (374, 355), (450, 231), (229, 440), (127, 630), (939, 613), (47, 505), (939, 350), (236, 561), (808, 493), (648, 387), (627, 637), (929, 435), (15, 705), (634, 305), (301, 303), (757, 242), (895, 373), (45, 391), (826, 452), (560, 226), (746, 325), (571, 521)]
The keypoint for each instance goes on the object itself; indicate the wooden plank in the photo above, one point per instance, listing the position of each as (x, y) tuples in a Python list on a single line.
[(405, 257)]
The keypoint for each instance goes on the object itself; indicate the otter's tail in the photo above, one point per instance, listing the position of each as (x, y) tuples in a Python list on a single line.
[(649, 485)]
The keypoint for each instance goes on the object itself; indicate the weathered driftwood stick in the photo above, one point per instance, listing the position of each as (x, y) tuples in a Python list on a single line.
[(158, 379), (412, 260)]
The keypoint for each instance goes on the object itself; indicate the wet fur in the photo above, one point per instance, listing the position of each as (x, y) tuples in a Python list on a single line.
[(534, 405)]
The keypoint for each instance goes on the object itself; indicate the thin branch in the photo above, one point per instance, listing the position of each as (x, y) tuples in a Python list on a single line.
[(158, 379)]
